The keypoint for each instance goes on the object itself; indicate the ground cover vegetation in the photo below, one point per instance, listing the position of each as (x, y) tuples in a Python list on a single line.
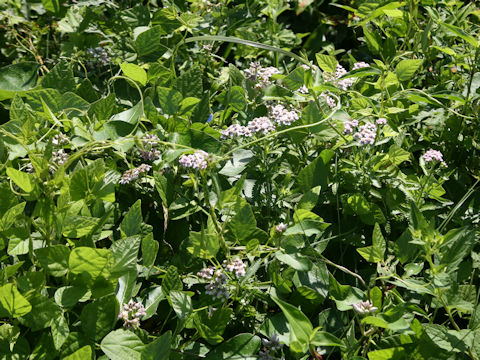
[(239, 179)]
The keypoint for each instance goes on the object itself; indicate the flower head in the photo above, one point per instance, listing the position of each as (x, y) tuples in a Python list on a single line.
[(131, 313), (260, 75), (236, 266), (198, 160), (261, 124), (60, 139), (235, 130), (364, 307), (273, 344), (283, 116), (366, 134), (359, 65), (281, 228), (349, 125), (381, 121), (433, 155), (133, 174)]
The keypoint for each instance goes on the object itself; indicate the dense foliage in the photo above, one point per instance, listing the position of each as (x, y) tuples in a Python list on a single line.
[(239, 179)]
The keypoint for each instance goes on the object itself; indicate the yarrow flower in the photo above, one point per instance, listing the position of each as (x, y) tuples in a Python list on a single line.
[(236, 266), (381, 121), (366, 134), (433, 155), (133, 174), (281, 228), (283, 116), (131, 313), (235, 130), (149, 151), (348, 126), (333, 78), (197, 160), (60, 139), (364, 307), (260, 75), (59, 157), (359, 65), (261, 124), (329, 100)]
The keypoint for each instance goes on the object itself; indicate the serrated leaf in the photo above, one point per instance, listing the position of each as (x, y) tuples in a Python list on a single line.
[(326, 62), (405, 69)]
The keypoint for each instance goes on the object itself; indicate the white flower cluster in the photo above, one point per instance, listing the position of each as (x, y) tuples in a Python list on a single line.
[(329, 100), (236, 266), (261, 124), (149, 151), (260, 75), (433, 155), (217, 287), (381, 121), (60, 139), (134, 174), (364, 307), (131, 314), (303, 89), (197, 160), (366, 134), (283, 116), (359, 65), (281, 228), (235, 130), (348, 126), (313, 67), (59, 157)]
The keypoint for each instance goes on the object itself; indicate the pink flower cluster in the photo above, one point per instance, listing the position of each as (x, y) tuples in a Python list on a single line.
[(235, 130), (236, 266), (349, 125), (133, 174), (433, 155), (198, 160), (261, 124), (366, 134), (131, 314), (283, 116), (260, 75)]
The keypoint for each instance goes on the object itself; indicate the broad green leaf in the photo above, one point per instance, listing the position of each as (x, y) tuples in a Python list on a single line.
[(326, 62), (181, 304), (159, 349), (323, 338), (461, 34), (153, 298), (241, 346), (122, 345), (373, 40), (12, 303), (52, 6), (89, 261), (171, 280), (190, 83), (405, 69), (44, 312), (169, 99), (60, 78), (68, 296), (23, 180), (295, 79), (130, 116), (54, 259), (296, 261), (17, 78), (134, 72), (99, 317), (150, 248), (396, 353), (203, 245), (132, 222), (301, 327), (125, 255), (315, 173), (60, 331), (75, 226), (236, 98), (149, 45), (8, 219), (81, 354)]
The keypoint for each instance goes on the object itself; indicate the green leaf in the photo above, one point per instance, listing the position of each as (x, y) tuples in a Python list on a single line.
[(301, 327), (396, 353), (181, 304), (159, 349), (89, 261), (81, 354), (54, 259), (44, 312), (153, 298), (323, 338), (241, 346), (371, 253), (60, 331), (296, 261), (373, 40), (17, 78), (68, 296), (23, 180), (149, 45), (461, 34), (60, 78), (99, 317), (8, 219), (405, 69), (315, 173), (190, 83), (203, 245), (132, 222), (75, 226), (326, 62), (149, 250), (122, 345), (169, 99), (134, 72), (295, 79), (12, 303), (129, 116), (125, 255), (52, 6), (171, 280)]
